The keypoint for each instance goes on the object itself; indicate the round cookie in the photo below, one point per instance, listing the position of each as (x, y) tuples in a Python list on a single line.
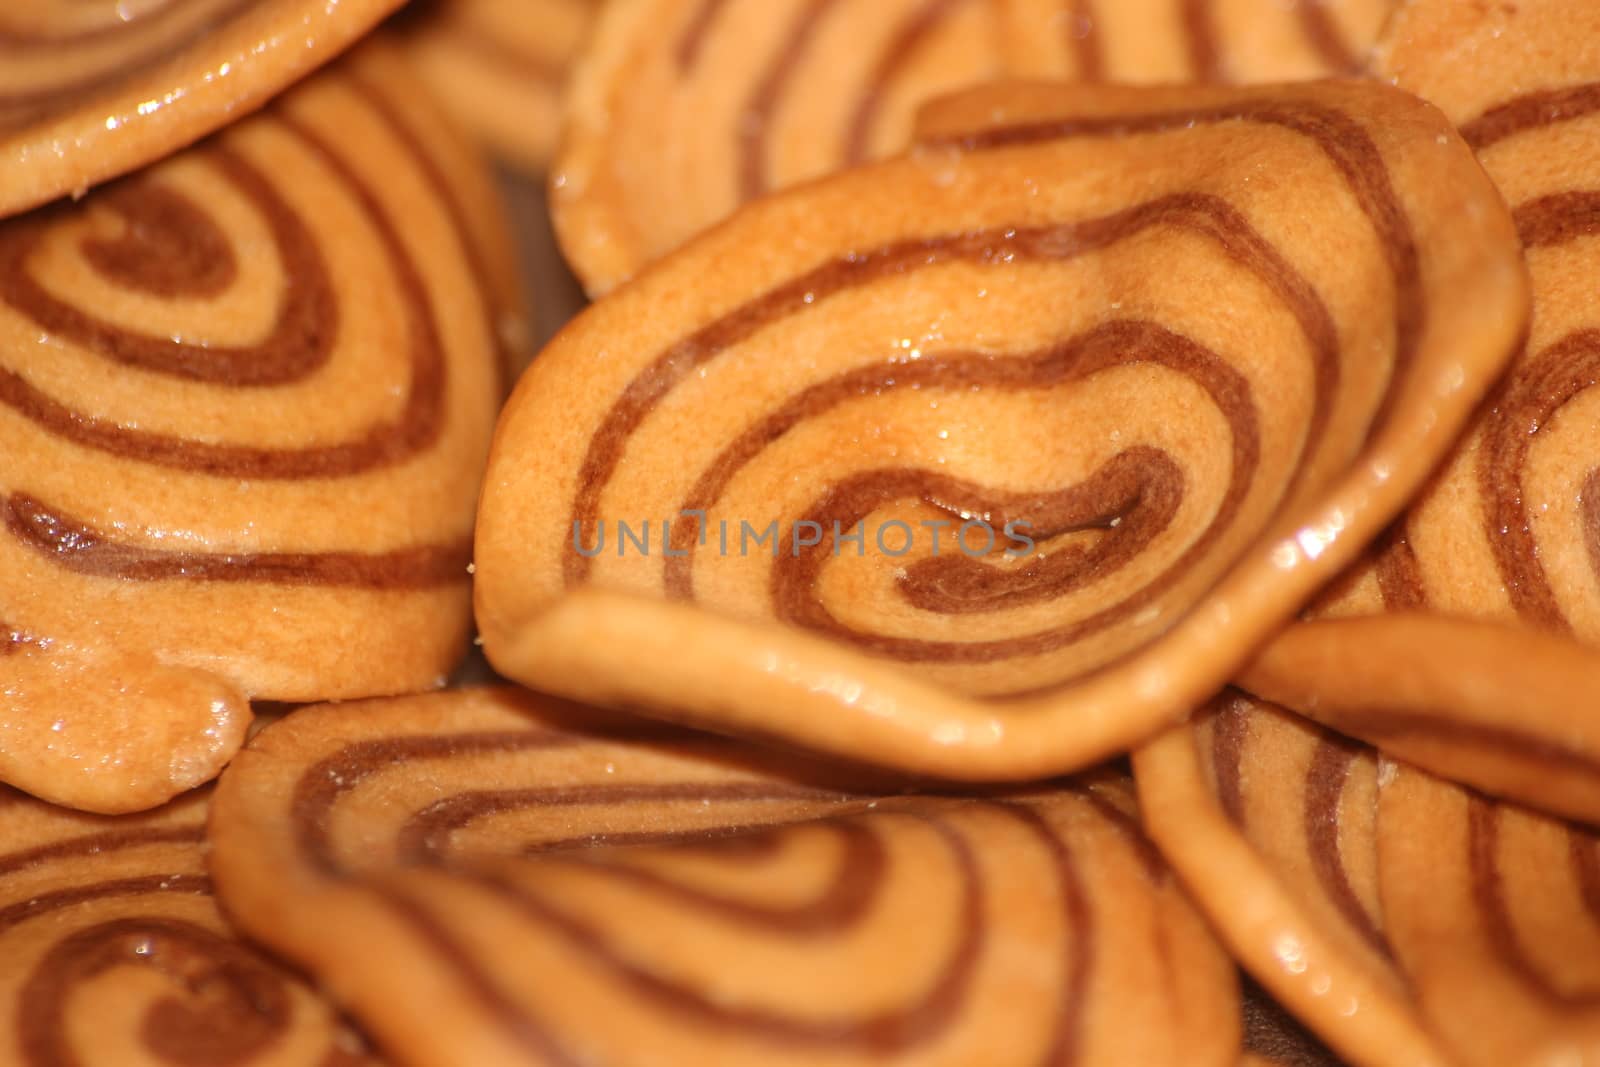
[(1197, 346), (91, 89), (435, 860), (681, 110), (500, 67), (116, 953), (245, 397), (1272, 825)]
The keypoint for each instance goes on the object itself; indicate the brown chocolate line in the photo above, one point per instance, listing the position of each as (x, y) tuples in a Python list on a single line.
[(425, 835), (416, 429), (172, 247), (239, 1006), (168, 246), (45, 903), (1230, 733), (883, 1033), (756, 118), (1198, 213), (514, 1020), (1324, 793), (1145, 474), (76, 546), (1398, 571), (1205, 58), (844, 901), (1528, 401), (1341, 139), (1589, 501), (1065, 1047), (1083, 42), (1488, 894), (695, 34), (1558, 218), (1531, 111), (322, 784), (386, 109), (908, 39), (99, 843), (1317, 21)]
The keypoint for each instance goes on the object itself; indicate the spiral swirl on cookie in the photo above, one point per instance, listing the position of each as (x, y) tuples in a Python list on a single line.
[(116, 952), (476, 839), (245, 396), (92, 89), (1507, 532), (994, 418), (683, 109)]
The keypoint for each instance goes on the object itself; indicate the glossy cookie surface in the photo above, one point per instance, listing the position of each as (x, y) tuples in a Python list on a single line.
[(245, 397), (436, 860), (1064, 314), (91, 89)]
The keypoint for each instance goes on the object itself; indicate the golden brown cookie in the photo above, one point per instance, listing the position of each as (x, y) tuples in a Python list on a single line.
[(481, 880), (500, 66), (1271, 823), (683, 109), (1196, 346), (244, 401), (116, 954), (91, 89)]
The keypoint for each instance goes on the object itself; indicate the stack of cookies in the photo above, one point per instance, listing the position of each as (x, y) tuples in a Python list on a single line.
[(1068, 534)]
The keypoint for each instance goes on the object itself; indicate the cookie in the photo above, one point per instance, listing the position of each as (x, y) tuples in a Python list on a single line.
[(1152, 365), (680, 110), (116, 953), (500, 66), (92, 89), (435, 860), (1272, 824), (245, 397), (1509, 532)]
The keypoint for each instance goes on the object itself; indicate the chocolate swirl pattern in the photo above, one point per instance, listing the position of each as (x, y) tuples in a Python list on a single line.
[(1272, 823), (975, 331), (501, 67), (115, 952), (683, 109), (243, 410), (1492, 911), (1506, 533), (92, 90), (487, 841)]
